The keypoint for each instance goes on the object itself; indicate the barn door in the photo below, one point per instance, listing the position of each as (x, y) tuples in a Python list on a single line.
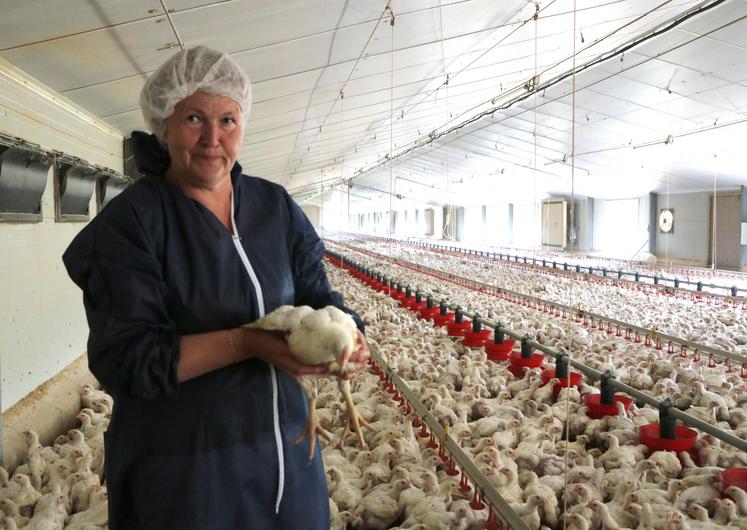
[(725, 224), (554, 221)]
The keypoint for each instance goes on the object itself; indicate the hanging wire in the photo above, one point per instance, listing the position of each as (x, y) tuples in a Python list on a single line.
[(659, 30), (713, 225), (392, 215), (539, 212), (319, 130), (570, 290), (348, 220), (321, 200), (448, 231), (667, 234), (347, 223)]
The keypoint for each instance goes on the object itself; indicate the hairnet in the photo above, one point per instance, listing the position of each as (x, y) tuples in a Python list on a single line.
[(189, 71)]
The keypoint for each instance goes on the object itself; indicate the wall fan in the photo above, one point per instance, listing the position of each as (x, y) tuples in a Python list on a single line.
[(666, 220)]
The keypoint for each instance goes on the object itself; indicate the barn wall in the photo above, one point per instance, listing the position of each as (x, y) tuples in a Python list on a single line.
[(689, 238), (42, 323)]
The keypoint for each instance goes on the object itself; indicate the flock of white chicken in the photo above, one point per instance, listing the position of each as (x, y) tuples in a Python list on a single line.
[(646, 265), (61, 487), (514, 428), (723, 327)]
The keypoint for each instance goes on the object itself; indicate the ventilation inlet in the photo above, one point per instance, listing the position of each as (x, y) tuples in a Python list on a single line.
[(23, 178), (109, 187), (74, 186)]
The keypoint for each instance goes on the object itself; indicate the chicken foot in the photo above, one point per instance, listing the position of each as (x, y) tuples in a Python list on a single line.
[(355, 420), (313, 429)]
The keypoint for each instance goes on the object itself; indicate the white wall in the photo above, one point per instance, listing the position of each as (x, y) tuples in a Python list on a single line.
[(474, 229), (42, 323), (36, 113), (312, 212), (497, 225), (527, 225), (620, 226), (689, 237)]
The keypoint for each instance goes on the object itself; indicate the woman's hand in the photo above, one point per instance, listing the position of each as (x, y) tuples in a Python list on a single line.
[(271, 347), (358, 358)]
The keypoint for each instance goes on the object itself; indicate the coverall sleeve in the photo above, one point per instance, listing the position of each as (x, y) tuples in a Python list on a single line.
[(307, 251), (133, 349)]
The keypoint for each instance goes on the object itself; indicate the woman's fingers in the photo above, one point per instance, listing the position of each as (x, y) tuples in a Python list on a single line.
[(361, 355), (271, 347), (358, 358)]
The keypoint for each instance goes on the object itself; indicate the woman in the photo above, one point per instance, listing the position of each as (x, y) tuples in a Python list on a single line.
[(203, 428)]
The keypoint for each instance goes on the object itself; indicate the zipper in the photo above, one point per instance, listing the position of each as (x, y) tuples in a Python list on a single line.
[(273, 374)]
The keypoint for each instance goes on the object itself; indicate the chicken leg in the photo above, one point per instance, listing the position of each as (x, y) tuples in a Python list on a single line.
[(355, 420), (313, 427)]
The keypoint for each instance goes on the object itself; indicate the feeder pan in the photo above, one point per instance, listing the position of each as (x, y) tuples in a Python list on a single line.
[(499, 351), (458, 329), (736, 476), (575, 380), (518, 363), (416, 307), (475, 339), (398, 295), (597, 409), (684, 438), (428, 313), (407, 301), (443, 320)]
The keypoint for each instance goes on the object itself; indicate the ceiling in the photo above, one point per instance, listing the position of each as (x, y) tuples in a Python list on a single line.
[(441, 106)]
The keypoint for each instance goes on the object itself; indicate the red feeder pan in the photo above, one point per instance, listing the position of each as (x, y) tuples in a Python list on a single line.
[(736, 476), (575, 379), (498, 352), (398, 295), (475, 339), (458, 329), (428, 313), (443, 320), (684, 438), (407, 301), (417, 306), (598, 410), (518, 363)]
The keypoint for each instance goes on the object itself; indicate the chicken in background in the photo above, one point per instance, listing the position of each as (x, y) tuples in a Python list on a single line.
[(326, 336)]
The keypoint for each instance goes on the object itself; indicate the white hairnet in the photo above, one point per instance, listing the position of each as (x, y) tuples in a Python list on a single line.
[(189, 71)]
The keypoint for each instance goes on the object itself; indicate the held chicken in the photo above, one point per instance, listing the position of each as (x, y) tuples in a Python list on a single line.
[(326, 336)]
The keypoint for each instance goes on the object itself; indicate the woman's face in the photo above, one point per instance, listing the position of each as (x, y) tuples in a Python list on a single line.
[(203, 136)]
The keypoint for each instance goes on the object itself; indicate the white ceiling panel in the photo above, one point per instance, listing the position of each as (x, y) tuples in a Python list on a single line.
[(278, 121), (126, 121), (268, 90), (122, 95), (287, 58), (731, 97), (279, 106), (248, 25), (70, 17), (300, 54), (725, 15), (91, 58)]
